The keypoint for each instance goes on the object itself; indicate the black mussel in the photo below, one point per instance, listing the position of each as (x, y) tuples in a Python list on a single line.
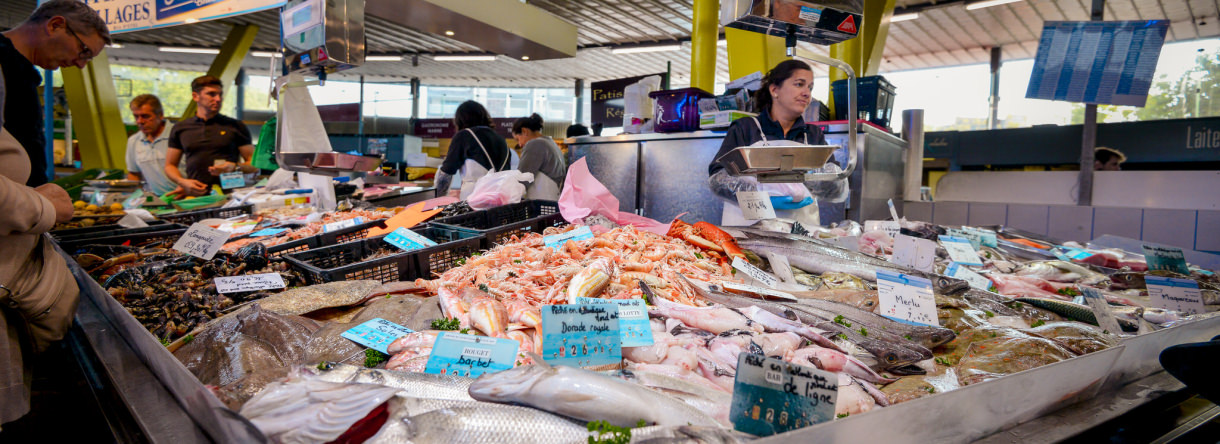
[(254, 255)]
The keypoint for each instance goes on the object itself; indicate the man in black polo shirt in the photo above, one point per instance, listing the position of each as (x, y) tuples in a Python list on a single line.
[(214, 144)]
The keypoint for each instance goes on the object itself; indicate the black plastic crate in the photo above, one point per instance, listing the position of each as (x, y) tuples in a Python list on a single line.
[(190, 217), (150, 239), (349, 234), (874, 99), (110, 230), (500, 224), (342, 262), (455, 244)]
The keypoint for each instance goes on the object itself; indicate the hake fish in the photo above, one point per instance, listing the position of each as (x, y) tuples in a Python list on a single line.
[(584, 395), (927, 336), (420, 385), (507, 424)]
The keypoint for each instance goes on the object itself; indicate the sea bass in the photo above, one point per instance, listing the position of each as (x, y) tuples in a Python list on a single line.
[(584, 395), (507, 424)]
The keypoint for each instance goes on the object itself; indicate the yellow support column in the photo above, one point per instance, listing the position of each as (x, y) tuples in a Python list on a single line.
[(95, 114), (864, 52), (703, 39), (228, 62), (752, 51)]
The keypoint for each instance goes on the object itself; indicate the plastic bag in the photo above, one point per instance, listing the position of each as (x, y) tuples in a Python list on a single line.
[(583, 195), (498, 188)]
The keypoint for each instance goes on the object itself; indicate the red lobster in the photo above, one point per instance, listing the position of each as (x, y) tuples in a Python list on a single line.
[(706, 236)]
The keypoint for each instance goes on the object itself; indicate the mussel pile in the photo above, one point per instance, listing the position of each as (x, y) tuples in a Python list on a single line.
[(172, 294)]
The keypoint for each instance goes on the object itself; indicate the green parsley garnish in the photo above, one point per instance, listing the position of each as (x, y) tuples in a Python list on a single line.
[(989, 313), (187, 339), (373, 358), (908, 337), (842, 415), (446, 324), (929, 389), (484, 288), (608, 433), (1068, 291), (841, 321), (943, 361), (1038, 323), (863, 331), (700, 256), (516, 261)]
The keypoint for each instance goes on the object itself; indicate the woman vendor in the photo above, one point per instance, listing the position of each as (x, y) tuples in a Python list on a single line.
[(476, 149), (541, 157), (781, 101)]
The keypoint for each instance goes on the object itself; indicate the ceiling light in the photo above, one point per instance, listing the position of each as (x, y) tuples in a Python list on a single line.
[(265, 54), (989, 3), (192, 20), (655, 48), (904, 17), (449, 33), (116, 45), (188, 50), (525, 57), (722, 42), (464, 58), (383, 58)]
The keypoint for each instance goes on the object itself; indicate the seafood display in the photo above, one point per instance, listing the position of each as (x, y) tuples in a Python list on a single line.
[(281, 359), (172, 294), (312, 222)]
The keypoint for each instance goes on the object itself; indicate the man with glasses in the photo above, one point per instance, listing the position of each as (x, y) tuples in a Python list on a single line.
[(59, 33)]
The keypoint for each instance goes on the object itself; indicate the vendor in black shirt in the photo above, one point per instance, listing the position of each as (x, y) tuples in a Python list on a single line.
[(213, 144), (475, 150)]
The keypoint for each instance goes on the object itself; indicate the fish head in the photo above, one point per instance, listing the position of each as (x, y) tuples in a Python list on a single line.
[(941, 336), (509, 384), (946, 285)]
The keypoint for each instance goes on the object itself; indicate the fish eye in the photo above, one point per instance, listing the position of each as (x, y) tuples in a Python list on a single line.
[(890, 358)]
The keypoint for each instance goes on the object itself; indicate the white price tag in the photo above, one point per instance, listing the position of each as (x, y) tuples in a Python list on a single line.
[(961, 251), (201, 241), (248, 282), (914, 252), (1175, 294), (1101, 309), (974, 279), (893, 212), (755, 205), (237, 227), (742, 288), (906, 298), (132, 221), (851, 243), (342, 224), (754, 272), (890, 227)]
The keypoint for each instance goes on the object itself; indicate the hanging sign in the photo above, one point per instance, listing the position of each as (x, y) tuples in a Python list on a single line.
[(137, 15)]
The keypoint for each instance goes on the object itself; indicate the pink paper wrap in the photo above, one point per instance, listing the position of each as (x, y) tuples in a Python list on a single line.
[(583, 195)]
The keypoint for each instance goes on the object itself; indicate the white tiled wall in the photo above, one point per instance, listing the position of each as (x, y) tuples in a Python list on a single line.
[(1190, 229)]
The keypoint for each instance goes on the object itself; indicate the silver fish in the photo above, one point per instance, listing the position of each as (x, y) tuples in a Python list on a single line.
[(687, 435), (584, 395), (927, 336), (419, 385), (1063, 271), (508, 424)]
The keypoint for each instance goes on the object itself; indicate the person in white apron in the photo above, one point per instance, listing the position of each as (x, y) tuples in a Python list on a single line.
[(475, 150), (781, 102), (541, 157)]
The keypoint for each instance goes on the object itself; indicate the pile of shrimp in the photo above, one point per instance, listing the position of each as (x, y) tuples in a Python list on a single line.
[(527, 270), (311, 229)]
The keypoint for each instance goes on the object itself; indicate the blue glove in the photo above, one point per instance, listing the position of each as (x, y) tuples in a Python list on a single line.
[(786, 203)]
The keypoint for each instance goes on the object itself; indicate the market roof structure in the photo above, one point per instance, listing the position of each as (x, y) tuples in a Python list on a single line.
[(945, 33)]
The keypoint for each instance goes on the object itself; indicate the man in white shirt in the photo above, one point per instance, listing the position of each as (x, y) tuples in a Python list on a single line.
[(146, 149)]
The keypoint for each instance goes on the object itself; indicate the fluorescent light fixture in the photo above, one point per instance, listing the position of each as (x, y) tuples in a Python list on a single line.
[(383, 58), (722, 42), (654, 48), (525, 57), (464, 58), (265, 54), (188, 50), (449, 33), (988, 4), (192, 20), (904, 17)]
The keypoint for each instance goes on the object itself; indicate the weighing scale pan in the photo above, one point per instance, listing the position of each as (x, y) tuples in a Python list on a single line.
[(782, 163), (328, 164)]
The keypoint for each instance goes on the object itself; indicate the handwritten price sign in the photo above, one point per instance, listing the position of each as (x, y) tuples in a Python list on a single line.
[(201, 241), (755, 205), (771, 396), (906, 298)]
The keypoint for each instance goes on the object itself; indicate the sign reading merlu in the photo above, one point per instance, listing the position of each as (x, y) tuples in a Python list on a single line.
[(1097, 62), (136, 15), (606, 106)]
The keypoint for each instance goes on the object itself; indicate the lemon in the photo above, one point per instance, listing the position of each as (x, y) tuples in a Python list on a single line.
[(116, 207), (80, 204), (92, 208)]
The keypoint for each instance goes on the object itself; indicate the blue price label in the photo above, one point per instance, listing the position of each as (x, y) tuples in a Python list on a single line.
[(268, 232), (407, 240), (1166, 258), (556, 241), (634, 329), (581, 335), (470, 355), (772, 396), (232, 180), (376, 334)]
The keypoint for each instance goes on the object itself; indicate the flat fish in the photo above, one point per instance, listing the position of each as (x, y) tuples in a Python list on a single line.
[(302, 410), (244, 342), (303, 300)]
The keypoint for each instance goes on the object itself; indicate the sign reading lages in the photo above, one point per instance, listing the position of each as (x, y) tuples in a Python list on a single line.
[(136, 15)]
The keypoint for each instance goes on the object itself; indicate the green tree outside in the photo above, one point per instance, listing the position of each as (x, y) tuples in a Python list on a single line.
[(1195, 94)]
